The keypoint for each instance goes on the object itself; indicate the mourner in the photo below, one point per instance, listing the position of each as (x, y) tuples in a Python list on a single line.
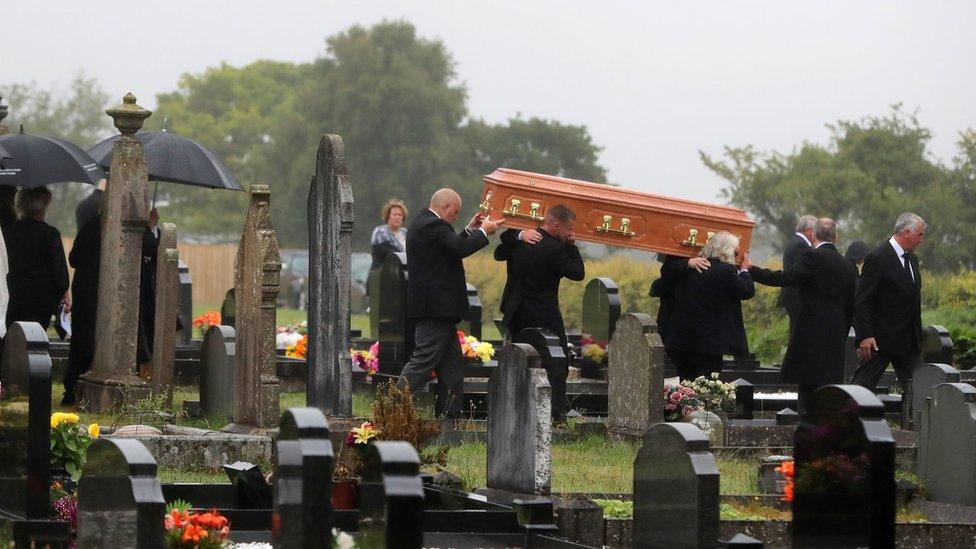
[(531, 295), (888, 307), (391, 236), (437, 295), (672, 267), (707, 319), (789, 296), (826, 283), (85, 259)]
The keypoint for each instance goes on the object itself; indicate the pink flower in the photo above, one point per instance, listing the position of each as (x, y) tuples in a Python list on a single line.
[(687, 410), (374, 349), (675, 397), (670, 406)]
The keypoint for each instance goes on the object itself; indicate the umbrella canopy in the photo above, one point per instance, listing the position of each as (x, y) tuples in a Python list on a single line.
[(170, 157), (34, 161)]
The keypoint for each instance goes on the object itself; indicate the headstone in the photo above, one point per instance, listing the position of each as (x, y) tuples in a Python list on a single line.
[(253, 491), (519, 423), (770, 480), (185, 303), (787, 416), (256, 288), (228, 309), (676, 480), (303, 481), (167, 290), (635, 375), (601, 309), (744, 400), (924, 378), (742, 541), (110, 380), (391, 496), (947, 444), (844, 479), (120, 501), (330, 221), (388, 314), (25, 420), (472, 324), (553, 359), (580, 521), (218, 363), (937, 345)]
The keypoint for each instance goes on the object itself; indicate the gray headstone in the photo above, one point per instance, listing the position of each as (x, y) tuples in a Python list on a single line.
[(330, 221), (519, 423), (937, 345), (844, 471), (472, 324), (218, 362), (388, 314), (947, 444), (120, 503), (601, 309), (228, 309), (303, 481), (25, 344), (391, 497), (635, 375), (924, 379), (676, 502), (167, 290), (185, 302)]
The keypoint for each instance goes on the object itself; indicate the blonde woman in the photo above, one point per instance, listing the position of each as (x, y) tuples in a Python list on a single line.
[(391, 237)]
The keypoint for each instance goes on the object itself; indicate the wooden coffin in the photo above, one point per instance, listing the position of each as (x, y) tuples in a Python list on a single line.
[(612, 215)]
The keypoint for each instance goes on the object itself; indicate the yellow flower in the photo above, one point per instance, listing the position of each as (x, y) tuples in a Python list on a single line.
[(364, 433), (93, 430), (57, 418)]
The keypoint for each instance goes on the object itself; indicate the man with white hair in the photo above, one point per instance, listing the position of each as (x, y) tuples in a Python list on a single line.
[(888, 307), (789, 296)]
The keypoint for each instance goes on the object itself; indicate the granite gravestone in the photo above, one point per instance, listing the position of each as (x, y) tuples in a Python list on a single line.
[(218, 362), (25, 345), (330, 222), (110, 381), (519, 423), (947, 444), (388, 314), (936, 345), (167, 290), (256, 288), (676, 485), (553, 358), (120, 501), (253, 491), (844, 481), (744, 400), (391, 496), (924, 378), (635, 375), (185, 303), (472, 324), (228, 309), (601, 309), (303, 481)]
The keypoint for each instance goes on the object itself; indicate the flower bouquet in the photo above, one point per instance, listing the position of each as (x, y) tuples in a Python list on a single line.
[(299, 349), (345, 474), (368, 361), (289, 335), (592, 356), (70, 441), (679, 401), (786, 469), (472, 349), (206, 320), (715, 395), (188, 529)]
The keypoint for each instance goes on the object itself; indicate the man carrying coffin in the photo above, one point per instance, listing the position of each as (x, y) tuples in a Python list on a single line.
[(537, 260)]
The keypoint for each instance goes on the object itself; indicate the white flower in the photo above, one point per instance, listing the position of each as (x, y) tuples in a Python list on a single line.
[(342, 540), (284, 339)]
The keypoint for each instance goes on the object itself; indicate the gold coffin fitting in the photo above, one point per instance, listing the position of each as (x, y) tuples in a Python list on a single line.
[(624, 229), (513, 210), (692, 239)]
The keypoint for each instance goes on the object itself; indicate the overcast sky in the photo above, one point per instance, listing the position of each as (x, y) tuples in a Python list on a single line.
[(654, 82)]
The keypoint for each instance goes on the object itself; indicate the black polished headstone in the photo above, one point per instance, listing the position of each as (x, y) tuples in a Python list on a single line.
[(472, 324), (185, 304), (391, 497), (937, 345), (218, 362), (601, 309), (744, 400), (253, 491), (844, 455), (120, 501), (676, 482), (228, 309), (924, 378), (388, 314), (303, 481), (947, 444)]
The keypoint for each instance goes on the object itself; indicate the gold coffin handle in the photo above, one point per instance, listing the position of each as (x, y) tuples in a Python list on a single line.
[(606, 226), (692, 239), (515, 204), (485, 205)]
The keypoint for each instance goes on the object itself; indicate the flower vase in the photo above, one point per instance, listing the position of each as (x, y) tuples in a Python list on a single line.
[(345, 494), (710, 424)]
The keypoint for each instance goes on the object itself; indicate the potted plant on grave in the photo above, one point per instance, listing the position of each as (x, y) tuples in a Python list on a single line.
[(65, 505), (592, 357), (70, 440), (349, 464), (187, 529)]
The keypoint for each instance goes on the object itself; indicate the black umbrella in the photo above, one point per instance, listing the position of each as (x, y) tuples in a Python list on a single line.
[(34, 161), (170, 157)]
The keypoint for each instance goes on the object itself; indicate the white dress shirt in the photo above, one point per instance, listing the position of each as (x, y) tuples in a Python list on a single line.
[(900, 252)]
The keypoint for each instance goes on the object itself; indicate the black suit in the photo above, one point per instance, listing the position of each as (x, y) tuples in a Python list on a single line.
[(889, 309), (672, 267), (789, 296), (826, 283), (531, 295), (437, 300), (85, 257), (707, 320)]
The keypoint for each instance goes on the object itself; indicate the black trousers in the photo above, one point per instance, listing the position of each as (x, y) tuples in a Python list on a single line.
[(691, 364), (436, 349), (868, 373)]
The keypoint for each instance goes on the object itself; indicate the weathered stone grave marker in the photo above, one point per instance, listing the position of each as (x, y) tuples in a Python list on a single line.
[(635, 375), (391, 496), (218, 363), (167, 290), (947, 444), (303, 485)]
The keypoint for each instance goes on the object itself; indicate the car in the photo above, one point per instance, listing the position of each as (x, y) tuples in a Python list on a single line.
[(293, 282)]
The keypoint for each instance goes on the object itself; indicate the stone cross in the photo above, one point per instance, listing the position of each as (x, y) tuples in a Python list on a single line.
[(330, 221), (947, 444), (167, 289), (844, 455), (124, 219), (601, 309), (218, 362), (391, 496), (519, 423), (303, 485), (185, 303), (635, 375), (676, 481), (120, 501), (256, 288)]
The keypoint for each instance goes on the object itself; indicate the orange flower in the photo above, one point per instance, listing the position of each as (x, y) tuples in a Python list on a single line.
[(786, 468), (193, 533), (209, 318), (788, 491)]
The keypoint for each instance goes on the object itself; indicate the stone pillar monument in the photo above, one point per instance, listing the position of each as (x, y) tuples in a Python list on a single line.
[(256, 287), (167, 296), (330, 220), (124, 218)]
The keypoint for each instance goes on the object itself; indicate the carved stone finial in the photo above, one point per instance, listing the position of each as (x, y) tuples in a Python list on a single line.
[(128, 116)]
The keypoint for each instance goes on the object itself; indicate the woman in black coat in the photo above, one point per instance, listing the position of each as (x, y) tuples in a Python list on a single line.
[(85, 257), (38, 278), (707, 318)]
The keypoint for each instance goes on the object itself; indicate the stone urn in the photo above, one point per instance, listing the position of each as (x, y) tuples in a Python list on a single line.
[(710, 423)]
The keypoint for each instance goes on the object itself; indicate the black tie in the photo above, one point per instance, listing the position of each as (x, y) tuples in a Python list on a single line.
[(908, 266)]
